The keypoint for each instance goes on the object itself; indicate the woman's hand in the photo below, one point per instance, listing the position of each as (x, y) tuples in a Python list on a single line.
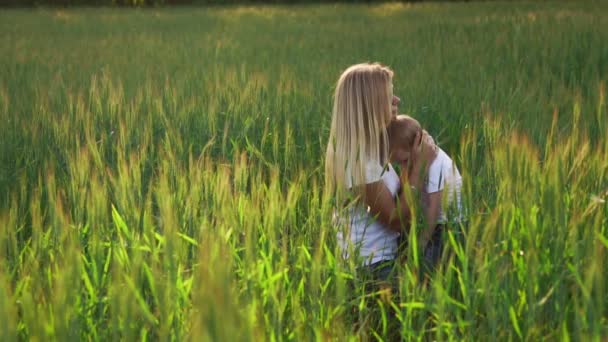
[(428, 148), (422, 156), (394, 105)]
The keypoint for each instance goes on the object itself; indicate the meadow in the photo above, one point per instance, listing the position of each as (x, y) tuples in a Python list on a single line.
[(161, 171)]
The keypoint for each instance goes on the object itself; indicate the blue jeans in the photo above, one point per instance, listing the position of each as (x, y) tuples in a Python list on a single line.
[(433, 250), (379, 276), (382, 270)]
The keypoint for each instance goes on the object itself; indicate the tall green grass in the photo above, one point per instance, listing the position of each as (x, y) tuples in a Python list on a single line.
[(161, 171)]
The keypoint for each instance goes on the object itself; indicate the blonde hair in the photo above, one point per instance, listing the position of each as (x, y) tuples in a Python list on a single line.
[(402, 132), (361, 112)]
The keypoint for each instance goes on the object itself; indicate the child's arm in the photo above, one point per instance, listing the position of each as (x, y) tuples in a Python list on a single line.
[(431, 213)]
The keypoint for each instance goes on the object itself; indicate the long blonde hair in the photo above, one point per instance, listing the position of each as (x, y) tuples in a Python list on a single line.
[(361, 113)]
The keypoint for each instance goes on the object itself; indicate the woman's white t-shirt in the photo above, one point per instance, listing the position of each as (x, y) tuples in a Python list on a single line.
[(360, 232)]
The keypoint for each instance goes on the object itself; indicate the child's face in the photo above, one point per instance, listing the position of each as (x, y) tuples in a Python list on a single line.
[(400, 155)]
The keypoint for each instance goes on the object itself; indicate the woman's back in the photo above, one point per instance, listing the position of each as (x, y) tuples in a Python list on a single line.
[(362, 234)]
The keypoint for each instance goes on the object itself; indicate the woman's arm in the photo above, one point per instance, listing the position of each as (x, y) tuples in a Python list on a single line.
[(394, 214)]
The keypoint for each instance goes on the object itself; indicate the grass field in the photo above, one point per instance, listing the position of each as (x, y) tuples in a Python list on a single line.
[(161, 171)]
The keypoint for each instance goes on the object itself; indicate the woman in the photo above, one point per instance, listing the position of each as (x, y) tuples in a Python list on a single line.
[(374, 211)]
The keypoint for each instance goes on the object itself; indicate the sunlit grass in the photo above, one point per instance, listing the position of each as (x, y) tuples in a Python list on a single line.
[(161, 172)]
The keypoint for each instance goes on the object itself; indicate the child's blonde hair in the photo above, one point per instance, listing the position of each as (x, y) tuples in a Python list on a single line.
[(402, 132), (361, 112)]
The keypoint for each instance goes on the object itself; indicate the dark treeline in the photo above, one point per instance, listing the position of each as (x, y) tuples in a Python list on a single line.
[(64, 3)]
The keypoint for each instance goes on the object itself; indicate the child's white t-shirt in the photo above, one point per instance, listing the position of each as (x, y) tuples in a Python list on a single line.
[(372, 240), (444, 176)]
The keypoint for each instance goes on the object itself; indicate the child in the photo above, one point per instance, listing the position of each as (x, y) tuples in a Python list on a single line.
[(442, 178)]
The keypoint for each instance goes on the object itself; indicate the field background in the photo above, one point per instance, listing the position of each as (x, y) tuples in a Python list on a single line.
[(161, 171)]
